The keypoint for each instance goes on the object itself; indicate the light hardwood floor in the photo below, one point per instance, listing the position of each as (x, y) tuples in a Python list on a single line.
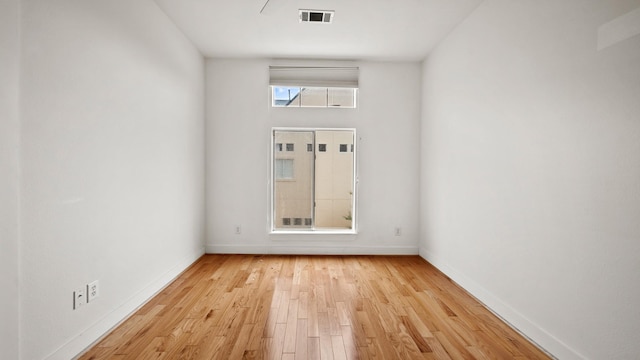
[(313, 307)]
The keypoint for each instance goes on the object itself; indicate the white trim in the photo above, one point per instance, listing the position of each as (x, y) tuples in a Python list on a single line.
[(310, 250), (94, 333), (512, 317)]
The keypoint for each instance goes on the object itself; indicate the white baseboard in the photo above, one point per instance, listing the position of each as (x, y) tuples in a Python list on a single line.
[(545, 341), (94, 333), (311, 250)]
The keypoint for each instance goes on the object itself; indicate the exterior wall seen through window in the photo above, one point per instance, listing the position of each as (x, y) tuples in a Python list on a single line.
[(284, 96), (313, 190)]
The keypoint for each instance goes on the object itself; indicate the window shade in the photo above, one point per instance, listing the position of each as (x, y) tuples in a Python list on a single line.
[(313, 76)]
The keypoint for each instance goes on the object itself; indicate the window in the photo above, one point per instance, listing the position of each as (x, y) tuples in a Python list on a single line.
[(284, 169), (309, 147), (278, 147), (289, 147), (341, 97), (286, 96), (314, 86), (317, 194)]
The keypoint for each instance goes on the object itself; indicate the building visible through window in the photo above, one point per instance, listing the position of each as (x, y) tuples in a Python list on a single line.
[(314, 190), (284, 169), (285, 96)]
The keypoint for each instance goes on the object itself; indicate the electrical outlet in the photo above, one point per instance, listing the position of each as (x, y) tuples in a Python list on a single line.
[(398, 231), (238, 230), (93, 290), (79, 298)]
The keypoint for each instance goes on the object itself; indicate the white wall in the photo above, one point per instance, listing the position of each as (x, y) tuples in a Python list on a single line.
[(9, 177), (530, 171), (113, 164), (239, 120)]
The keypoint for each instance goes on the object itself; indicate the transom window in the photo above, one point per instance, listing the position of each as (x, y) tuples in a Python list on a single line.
[(313, 190), (288, 96), (313, 86)]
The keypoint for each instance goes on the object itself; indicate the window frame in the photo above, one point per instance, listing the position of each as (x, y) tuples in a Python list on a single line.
[(272, 182), (300, 88)]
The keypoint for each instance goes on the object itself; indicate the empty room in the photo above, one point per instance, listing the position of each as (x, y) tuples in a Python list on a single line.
[(319, 179)]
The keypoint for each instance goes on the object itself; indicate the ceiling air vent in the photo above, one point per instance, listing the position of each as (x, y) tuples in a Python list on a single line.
[(316, 16)]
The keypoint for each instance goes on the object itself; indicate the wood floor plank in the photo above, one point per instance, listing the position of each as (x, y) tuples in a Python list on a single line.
[(337, 344), (313, 307), (302, 340), (239, 346), (292, 327), (313, 348)]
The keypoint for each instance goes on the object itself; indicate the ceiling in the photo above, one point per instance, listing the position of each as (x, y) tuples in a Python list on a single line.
[(402, 30)]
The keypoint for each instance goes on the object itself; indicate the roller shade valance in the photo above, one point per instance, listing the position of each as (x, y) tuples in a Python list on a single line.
[(313, 76)]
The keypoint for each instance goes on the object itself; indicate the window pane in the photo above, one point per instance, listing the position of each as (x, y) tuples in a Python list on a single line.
[(334, 181), (284, 168), (286, 96), (342, 97), (313, 97), (293, 172)]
